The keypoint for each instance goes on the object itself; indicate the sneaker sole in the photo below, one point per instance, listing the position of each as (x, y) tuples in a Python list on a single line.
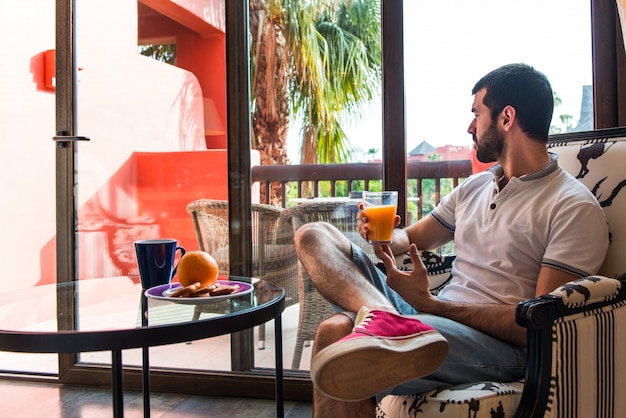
[(361, 368)]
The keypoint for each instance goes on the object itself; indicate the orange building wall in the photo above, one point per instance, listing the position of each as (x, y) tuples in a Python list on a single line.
[(200, 48), (206, 58)]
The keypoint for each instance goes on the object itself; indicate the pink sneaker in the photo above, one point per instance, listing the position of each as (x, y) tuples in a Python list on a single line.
[(383, 350)]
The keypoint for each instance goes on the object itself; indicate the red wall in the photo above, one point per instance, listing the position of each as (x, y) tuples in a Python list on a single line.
[(203, 54), (165, 182)]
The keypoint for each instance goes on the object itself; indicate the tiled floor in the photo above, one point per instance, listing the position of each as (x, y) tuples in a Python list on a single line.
[(37, 400)]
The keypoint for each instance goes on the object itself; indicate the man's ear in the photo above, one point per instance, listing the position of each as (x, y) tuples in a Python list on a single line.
[(508, 116)]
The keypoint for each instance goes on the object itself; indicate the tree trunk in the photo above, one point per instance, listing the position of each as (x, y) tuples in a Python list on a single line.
[(270, 119)]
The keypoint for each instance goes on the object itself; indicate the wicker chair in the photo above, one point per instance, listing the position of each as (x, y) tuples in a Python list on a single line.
[(274, 256), (314, 308)]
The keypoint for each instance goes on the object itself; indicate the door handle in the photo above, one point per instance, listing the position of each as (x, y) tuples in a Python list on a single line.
[(63, 140), (70, 138)]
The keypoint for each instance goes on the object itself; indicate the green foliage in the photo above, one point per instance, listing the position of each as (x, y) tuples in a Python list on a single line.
[(292, 192), (336, 69), (565, 119), (427, 197), (163, 53), (341, 188)]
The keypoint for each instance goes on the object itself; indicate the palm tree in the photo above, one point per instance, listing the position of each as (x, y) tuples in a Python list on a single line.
[(270, 69), (319, 59)]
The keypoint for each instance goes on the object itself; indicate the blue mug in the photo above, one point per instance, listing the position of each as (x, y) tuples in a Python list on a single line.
[(155, 258)]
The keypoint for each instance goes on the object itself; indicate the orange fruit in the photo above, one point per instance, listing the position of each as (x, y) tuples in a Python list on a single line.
[(197, 266)]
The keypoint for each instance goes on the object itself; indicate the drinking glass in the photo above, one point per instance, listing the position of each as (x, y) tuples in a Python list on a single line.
[(380, 209)]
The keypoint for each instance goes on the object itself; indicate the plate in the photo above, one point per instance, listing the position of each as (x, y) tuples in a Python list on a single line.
[(163, 291)]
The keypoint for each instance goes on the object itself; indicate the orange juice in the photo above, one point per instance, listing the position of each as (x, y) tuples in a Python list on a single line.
[(380, 220)]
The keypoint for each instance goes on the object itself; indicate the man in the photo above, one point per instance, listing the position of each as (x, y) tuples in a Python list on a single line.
[(521, 229)]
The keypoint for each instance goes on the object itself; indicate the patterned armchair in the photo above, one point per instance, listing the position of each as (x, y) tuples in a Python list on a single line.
[(576, 343)]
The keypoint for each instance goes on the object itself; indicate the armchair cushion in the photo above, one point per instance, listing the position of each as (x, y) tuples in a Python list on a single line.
[(439, 267), (480, 399)]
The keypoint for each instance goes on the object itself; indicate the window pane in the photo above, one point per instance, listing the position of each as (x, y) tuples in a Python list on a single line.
[(450, 45), (27, 165)]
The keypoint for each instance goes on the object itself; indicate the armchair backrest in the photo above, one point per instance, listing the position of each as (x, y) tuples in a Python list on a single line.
[(598, 159), (210, 221)]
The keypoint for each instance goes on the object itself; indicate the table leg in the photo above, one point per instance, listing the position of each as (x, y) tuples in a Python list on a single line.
[(278, 341), (145, 361), (117, 383), (145, 372)]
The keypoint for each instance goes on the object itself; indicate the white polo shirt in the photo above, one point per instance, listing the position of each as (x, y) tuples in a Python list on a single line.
[(503, 237)]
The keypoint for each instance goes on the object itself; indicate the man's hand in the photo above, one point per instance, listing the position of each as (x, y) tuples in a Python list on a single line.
[(363, 227), (411, 285), (493, 319)]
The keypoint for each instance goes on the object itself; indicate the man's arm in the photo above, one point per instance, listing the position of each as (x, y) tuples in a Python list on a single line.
[(492, 319)]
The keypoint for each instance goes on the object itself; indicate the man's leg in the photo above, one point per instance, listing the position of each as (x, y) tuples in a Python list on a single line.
[(473, 357), (327, 257), (330, 331), (327, 254), (383, 348)]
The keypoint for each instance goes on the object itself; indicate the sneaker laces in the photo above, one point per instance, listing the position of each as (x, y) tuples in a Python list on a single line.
[(363, 318)]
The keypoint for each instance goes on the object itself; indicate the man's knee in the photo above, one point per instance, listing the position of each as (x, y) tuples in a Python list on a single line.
[(331, 330), (313, 235), (306, 233)]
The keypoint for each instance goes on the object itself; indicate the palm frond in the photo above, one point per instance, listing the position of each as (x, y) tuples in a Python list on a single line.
[(335, 67)]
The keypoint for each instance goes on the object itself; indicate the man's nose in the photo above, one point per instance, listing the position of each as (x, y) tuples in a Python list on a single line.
[(471, 129)]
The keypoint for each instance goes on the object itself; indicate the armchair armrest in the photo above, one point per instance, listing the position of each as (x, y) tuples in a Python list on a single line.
[(574, 344)]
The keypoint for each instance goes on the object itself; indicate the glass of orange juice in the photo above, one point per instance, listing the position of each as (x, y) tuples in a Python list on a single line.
[(380, 209)]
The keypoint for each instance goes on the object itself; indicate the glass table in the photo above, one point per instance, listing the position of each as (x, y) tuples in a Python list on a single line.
[(87, 318)]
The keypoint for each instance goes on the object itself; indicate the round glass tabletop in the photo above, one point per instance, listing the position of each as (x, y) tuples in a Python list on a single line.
[(114, 313)]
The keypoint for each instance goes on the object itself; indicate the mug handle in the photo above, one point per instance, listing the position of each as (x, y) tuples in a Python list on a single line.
[(182, 253)]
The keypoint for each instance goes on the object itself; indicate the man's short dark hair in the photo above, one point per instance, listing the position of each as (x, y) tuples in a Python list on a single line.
[(525, 89)]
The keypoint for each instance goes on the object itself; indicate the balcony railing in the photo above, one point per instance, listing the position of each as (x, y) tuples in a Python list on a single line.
[(426, 180)]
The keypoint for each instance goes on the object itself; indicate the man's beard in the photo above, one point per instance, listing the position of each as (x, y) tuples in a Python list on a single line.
[(490, 146)]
